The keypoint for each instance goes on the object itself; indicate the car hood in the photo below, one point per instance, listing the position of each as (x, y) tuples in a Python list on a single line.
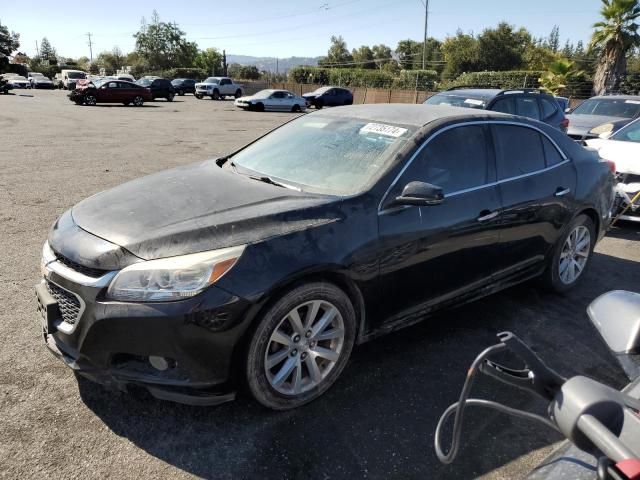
[(196, 208), (626, 155), (584, 123), (42, 80), (204, 84)]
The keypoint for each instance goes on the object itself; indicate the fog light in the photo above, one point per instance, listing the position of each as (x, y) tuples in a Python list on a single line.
[(159, 363)]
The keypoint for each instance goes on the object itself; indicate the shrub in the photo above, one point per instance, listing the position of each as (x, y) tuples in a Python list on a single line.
[(359, 77), (508, 79)]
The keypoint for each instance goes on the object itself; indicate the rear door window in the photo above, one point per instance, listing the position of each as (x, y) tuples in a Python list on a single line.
[(456, 159), (528, 107), (519, 151), (505, 105)]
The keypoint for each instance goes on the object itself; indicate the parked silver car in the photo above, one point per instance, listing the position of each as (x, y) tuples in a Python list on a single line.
[(272, 100), (38, 80), (602, 114)]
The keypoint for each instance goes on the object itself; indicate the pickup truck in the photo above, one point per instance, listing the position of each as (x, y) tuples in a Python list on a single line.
[(218, 88)]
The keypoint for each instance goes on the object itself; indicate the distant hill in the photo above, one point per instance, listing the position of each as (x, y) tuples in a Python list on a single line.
[(269, 63)]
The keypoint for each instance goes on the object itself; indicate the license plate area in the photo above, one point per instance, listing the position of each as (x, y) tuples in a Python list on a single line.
[(48, 309)]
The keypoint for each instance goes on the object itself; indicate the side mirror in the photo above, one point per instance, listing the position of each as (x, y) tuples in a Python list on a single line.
[(420, 194), (616, 315)]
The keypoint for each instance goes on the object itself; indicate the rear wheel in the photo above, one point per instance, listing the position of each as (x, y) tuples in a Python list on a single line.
[(300, 346), (181, 92), (138, 101), (90, 100), (572, 255), (295, 108), (170, 97), (319, 104)]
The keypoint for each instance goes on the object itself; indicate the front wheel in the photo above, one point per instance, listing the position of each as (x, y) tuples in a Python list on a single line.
[(215, 95), (138, 101), (300, 346), (319, 104), (295, 108), (198, 96), (181, 92), (90, 100), (571, 256), (238, 94), (170, 97)]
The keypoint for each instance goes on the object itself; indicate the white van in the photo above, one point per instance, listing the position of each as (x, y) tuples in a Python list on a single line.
[(67, 78)]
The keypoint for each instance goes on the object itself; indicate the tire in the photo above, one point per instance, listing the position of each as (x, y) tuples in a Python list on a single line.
[(215, 95), (295, 108), (138, 101), (198, 96), (568, 266), (238, 94), (259, 107), (319, 104), (170, 97), (289, 382), (90, 100), (181, 92)]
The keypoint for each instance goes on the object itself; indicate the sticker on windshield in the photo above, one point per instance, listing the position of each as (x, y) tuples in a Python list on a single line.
[(473, 101), (632, 101), (381, 129)]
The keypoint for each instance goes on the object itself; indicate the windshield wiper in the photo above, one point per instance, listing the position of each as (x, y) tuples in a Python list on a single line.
[(271, 181)]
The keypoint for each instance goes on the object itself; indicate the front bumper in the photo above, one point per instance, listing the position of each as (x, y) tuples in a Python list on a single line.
[(113, 343)]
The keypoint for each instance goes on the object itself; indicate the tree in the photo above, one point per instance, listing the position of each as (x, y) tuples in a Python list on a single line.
[(9, 42), (47, 52), (110, 61), (210, 60), (538, 57), (503, 47), (615, 35), (409, 54), (163, 45), (558, 75), (338, 54), (460, 54), (363, 57), (567, 51), (382, 55), (554, 39)]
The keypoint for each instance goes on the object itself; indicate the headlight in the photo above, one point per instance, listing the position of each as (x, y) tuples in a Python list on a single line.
[(600, 129), (172, 278)]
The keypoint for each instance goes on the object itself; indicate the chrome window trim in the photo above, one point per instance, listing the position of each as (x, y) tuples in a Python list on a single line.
[(486, 185)]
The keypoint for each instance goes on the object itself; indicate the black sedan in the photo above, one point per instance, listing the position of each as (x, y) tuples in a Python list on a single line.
[(329, 97), (267, 266), (184, 85)]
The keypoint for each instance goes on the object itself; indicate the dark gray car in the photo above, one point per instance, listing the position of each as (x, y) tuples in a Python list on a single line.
[(602, 114)]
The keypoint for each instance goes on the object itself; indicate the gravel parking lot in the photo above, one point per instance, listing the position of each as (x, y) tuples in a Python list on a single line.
[(378, 419)]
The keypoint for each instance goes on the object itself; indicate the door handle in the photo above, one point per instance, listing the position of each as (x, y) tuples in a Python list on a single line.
[(562, 191), (485, 215)]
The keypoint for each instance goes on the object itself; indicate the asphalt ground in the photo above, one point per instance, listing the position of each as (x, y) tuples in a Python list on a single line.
[(376, 422)]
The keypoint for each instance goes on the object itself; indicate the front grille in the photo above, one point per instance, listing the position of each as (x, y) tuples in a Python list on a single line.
[(88, 271), (68, 303)]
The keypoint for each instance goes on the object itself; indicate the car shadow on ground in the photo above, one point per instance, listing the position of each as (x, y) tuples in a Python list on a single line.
[(378, 420), (107, 105)]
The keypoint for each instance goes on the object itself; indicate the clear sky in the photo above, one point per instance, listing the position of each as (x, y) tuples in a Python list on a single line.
[(284, 28)]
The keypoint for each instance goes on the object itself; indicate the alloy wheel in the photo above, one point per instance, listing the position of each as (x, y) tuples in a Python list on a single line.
[(138, 101), (575, 254), (90, 100), (304, 347)]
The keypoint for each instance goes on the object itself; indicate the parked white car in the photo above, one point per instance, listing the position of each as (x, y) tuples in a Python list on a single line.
[(218, 88), (17, 81), (623, 148), (273, 100)]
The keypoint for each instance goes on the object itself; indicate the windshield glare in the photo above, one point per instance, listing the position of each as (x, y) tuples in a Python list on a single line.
[(326, 154), (610, 107), (630, 133), (144, 82), (456, 101)]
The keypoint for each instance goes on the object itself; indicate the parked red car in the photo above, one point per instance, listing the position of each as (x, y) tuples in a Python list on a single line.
[(110, 91)]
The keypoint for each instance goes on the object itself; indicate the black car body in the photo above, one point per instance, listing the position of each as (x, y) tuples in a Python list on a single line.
[(371, 236), (530, 103), (184, 85), (329, 97), (159, 87)]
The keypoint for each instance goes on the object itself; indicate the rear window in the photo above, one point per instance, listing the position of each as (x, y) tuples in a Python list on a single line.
[(456, 101)]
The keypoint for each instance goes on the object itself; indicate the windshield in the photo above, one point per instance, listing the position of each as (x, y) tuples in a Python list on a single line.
[(326, 154), (76, 75), (177, 81), (145, 82), (211, 80), (630, 133), (456, 101), (321, 90), (609, 107)]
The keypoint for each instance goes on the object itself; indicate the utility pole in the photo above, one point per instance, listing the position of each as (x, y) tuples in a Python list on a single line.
[(90, 47), (424, 45), (224, 62), (37, 49)]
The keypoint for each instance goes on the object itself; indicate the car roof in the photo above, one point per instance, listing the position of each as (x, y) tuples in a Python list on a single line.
[(410, 114), (485, 93), (616, 97)]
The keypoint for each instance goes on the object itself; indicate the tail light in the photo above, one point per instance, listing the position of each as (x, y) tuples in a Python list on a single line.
[(612, 166), (564, 123)]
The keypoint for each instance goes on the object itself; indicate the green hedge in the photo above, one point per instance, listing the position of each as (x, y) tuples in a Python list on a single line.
[(195, 73), (509, 79), (359, 77)]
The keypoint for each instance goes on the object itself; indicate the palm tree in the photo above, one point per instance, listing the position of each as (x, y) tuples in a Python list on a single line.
[(614, 36), (559, 74)]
